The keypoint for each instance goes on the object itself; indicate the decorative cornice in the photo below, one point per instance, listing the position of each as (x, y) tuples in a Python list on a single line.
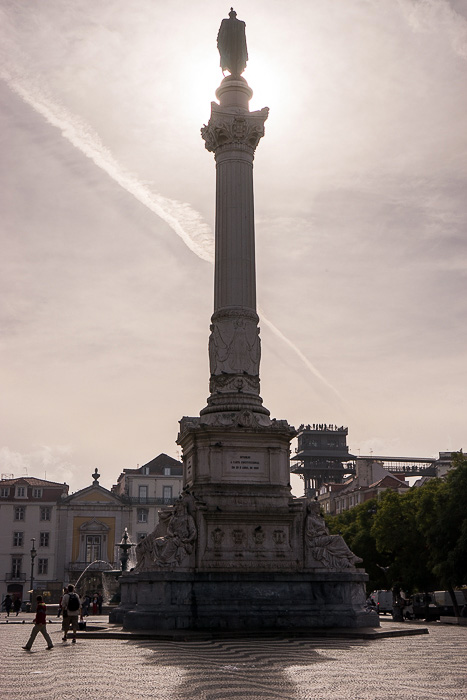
[(234, 420), (233, 129)]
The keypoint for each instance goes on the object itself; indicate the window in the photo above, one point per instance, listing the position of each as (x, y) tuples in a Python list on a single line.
[(19, 512), (18, 539), (143, 494), (16, 567), (21, 492), (167, 493), (37, 493), (45, 512), (44, 539), (42, 566), (143, 515), (4, 491), (166, 471), (93, 547), (145, 470)]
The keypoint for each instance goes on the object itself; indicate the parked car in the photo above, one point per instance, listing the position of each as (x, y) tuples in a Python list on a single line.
[(383, 601), (424, 606), (443, 601), (430, 606)]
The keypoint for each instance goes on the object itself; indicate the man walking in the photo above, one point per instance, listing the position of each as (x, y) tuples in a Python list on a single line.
[(8, 602), (71, 606), (40, 625)]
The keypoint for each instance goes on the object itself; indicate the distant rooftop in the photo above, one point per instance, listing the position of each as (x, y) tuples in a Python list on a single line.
[(30, 480), (157, 465), (318, 427)]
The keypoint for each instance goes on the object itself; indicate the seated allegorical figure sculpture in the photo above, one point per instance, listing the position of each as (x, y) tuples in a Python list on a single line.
[(144, 550), (329, 550), (170, 542)]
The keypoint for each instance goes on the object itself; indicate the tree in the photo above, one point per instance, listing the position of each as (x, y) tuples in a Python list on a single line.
[(419, 538), (397, 535), (443, 518)]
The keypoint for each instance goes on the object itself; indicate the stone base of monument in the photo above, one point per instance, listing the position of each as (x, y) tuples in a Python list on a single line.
[(237, 551), (247, 601)]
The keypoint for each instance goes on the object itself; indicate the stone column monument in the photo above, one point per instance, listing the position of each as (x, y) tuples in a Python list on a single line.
[(238, 551)]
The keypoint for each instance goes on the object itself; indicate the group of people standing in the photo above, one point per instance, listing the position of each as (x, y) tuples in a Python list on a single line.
[(92, 603)]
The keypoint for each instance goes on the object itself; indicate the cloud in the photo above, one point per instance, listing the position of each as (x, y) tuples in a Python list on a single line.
[(51, 462), (183, 219), (437, 17)]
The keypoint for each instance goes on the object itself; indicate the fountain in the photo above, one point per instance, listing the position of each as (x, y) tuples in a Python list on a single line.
[(125, 547), (107, 578), (96, 561)]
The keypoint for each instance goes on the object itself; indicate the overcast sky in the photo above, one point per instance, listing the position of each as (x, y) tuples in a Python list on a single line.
[(107, 211)]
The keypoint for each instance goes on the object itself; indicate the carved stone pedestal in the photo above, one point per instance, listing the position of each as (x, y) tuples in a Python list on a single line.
[(248, 601), (238, 551)]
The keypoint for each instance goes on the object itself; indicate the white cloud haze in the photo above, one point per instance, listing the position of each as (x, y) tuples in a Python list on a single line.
[(107, 191)]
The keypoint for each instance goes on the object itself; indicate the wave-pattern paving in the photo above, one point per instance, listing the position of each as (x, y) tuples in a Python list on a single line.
[(425, 667)]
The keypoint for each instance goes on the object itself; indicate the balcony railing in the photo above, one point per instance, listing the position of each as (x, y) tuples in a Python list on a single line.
[(15, 576), (141, 501)]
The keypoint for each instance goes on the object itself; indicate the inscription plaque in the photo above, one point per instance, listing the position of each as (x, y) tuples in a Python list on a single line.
[(245, 462)]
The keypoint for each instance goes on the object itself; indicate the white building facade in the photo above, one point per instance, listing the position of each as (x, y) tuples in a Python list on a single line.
[(49, 537), (147, 489), (29, 536)]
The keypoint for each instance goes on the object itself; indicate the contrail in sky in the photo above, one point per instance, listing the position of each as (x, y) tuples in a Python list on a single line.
[(185, 221), (182, 219), (300, 354)]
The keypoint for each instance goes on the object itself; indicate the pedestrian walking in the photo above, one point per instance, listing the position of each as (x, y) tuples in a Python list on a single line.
[(7, 603), (17, 605), (100, 601), (40, 625), (71, 606), (59, 611), (85, 606)]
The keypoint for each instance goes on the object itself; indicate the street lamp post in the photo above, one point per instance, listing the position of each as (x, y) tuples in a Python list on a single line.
[(33, 556)]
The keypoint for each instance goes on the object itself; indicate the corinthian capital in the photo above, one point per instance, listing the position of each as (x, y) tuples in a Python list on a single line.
[(234, 127)]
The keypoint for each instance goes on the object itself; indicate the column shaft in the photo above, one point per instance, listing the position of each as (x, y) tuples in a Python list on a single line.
[(234, 279)]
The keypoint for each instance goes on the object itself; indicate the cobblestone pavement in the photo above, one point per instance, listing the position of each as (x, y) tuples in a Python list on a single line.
[(421, 667)]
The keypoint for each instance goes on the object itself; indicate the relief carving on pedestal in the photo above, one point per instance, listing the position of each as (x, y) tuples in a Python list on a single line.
[(279, 536), (234, 347), (329, 551), (217, 536), (172, 540), (238, 537), (259, 535)]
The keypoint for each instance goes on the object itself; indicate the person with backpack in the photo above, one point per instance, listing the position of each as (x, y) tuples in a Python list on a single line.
[(40, 625), (71, 606)]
